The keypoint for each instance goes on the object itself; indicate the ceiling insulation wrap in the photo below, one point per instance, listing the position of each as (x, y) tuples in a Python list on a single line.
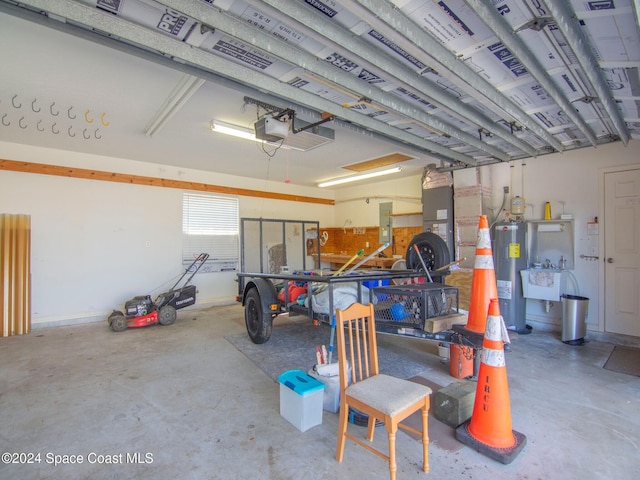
[(469, 82)]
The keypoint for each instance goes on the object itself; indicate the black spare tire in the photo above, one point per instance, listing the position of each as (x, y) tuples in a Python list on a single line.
[(433, 250)]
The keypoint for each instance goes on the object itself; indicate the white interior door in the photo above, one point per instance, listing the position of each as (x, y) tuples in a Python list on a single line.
[(622, 252)]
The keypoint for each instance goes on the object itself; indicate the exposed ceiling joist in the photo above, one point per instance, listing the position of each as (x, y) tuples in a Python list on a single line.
[(434, 49), (147, 38), (245, 32), (465, 81), (566, 22), (513, 42), (345, 41)]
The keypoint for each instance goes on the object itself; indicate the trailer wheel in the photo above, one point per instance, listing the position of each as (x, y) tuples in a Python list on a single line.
[(167, 315), (117, 322), (433, 250), (258, 322)]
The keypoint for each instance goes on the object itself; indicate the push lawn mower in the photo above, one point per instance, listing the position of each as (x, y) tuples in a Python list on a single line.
[(141, 311)]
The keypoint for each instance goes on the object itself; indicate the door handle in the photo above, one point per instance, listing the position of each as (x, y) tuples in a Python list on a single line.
[(609, 260)]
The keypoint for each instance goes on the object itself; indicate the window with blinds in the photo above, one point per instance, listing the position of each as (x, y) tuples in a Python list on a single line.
[(210, 224)]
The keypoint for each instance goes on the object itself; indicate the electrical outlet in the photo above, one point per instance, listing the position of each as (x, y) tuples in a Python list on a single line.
[(506, 189), (367, 245)]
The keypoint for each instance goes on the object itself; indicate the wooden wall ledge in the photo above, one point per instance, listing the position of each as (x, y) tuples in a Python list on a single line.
[(61, 171)]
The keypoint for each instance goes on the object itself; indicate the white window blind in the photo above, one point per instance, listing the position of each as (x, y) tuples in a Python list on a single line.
[(210, 224)]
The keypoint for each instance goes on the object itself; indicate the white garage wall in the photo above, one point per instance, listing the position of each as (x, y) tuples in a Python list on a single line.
[(353, 209), (89, 238), (572, 177)]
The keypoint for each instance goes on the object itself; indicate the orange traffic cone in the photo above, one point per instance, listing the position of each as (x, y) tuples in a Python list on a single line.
[(483, 281), (489, 429)]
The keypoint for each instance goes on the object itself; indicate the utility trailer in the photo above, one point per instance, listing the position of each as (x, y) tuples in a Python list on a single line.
[(411, 308), (407, 302)]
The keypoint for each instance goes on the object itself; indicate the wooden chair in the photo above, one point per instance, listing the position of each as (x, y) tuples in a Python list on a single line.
[(381, 397)]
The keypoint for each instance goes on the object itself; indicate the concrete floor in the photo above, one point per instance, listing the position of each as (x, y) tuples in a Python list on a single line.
[(193, 407)]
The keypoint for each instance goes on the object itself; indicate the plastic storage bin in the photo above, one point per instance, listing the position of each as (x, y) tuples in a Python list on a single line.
[(301, 398)]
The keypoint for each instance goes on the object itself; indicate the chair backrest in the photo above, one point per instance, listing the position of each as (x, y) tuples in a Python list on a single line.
[(357, 346)]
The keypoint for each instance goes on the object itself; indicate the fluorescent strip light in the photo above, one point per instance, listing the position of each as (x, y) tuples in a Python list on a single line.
[(233, 130), (242, 132), (183, 91), (355, 178)]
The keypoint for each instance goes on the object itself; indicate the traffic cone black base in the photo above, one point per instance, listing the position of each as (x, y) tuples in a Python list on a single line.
[(502, 455)]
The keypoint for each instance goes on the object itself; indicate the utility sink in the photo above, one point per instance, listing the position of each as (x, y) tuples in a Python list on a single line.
[(543, 283)]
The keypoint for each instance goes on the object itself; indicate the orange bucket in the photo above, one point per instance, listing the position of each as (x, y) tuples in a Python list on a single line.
[(460, 361)]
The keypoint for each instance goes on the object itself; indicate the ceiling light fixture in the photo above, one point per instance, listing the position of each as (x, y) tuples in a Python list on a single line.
[(245, 133), (303, 141), (186, 87), (233, 130), (355, 178)]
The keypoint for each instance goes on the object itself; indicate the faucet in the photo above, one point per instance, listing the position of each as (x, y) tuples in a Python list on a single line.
[(563, 262)]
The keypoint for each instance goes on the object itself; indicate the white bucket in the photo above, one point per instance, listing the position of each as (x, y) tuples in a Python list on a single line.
[(443, 352)]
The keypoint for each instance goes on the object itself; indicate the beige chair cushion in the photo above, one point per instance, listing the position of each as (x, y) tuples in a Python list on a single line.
[(388, 394)]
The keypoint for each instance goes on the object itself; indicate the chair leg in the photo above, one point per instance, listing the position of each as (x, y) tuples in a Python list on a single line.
[(392, 452), (425, 439), (371, 426), (342, 430)]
